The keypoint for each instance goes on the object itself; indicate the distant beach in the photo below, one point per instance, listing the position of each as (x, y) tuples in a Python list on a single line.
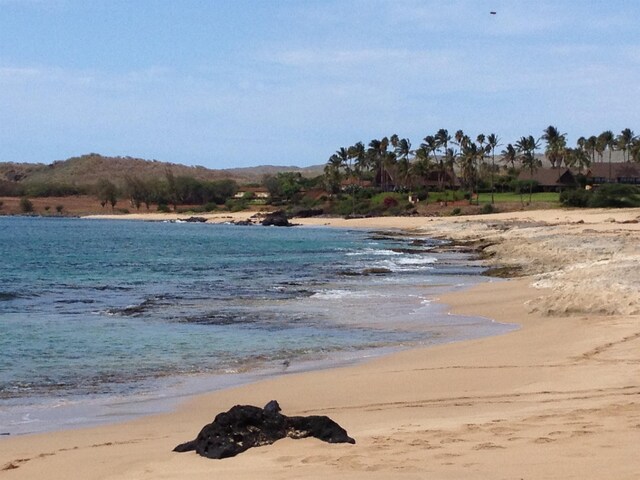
[(557, 398)]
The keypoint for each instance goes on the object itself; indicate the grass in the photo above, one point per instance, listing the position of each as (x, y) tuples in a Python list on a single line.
[(510, 197)]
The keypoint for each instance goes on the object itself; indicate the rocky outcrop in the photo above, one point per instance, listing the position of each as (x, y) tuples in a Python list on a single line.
[(246, 426), (278, 219)]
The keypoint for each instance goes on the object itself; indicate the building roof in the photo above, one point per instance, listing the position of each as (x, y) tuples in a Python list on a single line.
[(549, 177), (618, 170)]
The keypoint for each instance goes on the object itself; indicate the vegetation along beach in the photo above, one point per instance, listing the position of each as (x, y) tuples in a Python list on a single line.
[(280, 240)]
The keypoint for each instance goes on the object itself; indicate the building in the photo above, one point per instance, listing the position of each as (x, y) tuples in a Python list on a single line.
[(258, 193), (550, 179), (625, 172)]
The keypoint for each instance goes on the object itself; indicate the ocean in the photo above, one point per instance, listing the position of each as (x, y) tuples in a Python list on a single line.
[(105, 320)]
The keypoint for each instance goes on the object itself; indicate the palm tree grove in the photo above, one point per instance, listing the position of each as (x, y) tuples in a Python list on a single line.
[(445, 167)]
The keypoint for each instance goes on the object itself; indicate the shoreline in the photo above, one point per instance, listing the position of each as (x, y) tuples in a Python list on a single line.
[(558, 398), (51, 414)]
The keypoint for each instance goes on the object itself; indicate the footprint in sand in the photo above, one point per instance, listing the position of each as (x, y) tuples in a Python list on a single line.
[(488, 446)]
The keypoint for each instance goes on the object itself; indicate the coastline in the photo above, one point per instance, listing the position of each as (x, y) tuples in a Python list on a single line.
[(558, 398)]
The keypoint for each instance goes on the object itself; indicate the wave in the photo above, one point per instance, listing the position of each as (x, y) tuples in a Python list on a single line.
[(374, 252)]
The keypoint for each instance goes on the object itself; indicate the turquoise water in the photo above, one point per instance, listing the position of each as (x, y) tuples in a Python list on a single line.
[(94, 313)]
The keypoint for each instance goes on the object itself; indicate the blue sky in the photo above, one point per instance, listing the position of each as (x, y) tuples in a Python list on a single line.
[(229, 83)]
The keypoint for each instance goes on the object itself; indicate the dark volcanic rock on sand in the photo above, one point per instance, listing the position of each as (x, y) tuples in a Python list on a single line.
[(246, 426), (278, 219)]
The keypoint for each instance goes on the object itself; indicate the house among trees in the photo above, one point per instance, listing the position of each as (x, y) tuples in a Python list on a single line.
[(260, 193), (348, 183), (626, 172), (550, 179), (439, 179)]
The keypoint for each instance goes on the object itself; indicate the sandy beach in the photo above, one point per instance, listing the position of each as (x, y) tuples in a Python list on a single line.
[(558, 398)]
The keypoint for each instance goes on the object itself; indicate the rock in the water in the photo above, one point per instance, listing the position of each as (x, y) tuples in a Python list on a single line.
[(194, 220), (246, 426), (278, 219)]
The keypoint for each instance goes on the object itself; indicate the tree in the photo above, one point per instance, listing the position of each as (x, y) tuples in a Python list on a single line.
[(106, 192), (576, 158), (26, 206), (402, 150), (482, 150), (526, 147), (556, 143), (607, 140), (624, 141), (332, 173), (510, 155), (442, 139), (284, 186), (492, 141), (172, 190), (421, 166), (380, 159), (634, 150), (591, 145), (137, 191), (359, 154), (467, 159)]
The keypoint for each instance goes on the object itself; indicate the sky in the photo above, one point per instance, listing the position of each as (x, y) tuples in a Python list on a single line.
[(235, 83)]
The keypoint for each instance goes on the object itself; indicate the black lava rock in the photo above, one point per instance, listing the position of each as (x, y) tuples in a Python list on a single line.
[(278, 219), (246, 426)]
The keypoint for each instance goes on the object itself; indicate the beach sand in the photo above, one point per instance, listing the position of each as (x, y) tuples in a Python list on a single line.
[(557, 399)]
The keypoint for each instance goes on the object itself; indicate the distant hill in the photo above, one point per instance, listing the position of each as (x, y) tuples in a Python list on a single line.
[(88, 169)]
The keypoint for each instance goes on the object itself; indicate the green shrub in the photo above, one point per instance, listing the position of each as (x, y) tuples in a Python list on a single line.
[(575, 198), (59, 208), (456, 211), (487, 208), (611, 195), (25, 205), (210, 207), (47, 208), (616, 196), (163, 208), (236, 205)]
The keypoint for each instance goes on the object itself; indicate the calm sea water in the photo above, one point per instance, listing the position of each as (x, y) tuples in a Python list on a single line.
[(100, 320)]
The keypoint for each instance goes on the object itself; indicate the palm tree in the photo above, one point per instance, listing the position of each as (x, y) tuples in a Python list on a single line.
[(527, 146), (442, 139), (577, 157), (510, 155), (402, 152), (607, 140), (469, 153), (592, 145), (482, 150), (624, 141), (634, 150), (375, 159), (332, 174), (359, 154), (492, 141), (556, 143), (430, 146)]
